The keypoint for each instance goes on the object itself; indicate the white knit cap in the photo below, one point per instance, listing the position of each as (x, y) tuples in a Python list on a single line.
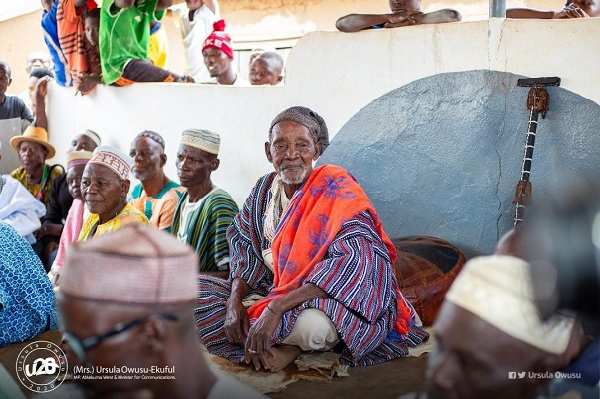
[(136, 264), (498, 289), (202, 139), (113, 158)]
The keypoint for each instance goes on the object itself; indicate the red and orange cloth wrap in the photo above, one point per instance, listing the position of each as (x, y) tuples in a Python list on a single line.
[(333, 192)]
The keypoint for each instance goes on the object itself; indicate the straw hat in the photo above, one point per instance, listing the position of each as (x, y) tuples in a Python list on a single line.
[(36, 135)]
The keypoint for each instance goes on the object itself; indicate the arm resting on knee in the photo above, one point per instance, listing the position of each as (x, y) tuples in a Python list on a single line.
[(295, 298)]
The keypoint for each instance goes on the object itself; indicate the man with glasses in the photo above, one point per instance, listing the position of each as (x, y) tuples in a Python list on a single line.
[(132, 318)]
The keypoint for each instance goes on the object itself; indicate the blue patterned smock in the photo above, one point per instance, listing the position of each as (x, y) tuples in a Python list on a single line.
[(27, 305)]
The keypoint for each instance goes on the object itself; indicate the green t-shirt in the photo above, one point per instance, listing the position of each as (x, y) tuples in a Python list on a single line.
[(124, 35)]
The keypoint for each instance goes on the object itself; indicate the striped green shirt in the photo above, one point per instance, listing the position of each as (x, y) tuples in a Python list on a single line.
[(206, 227)]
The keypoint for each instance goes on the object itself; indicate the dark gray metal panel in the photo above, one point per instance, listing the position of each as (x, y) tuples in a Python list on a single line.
[(441, 156), (497, 8)]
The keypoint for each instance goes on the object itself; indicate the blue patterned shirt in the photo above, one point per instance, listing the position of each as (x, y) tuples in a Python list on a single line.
[(27, 305)]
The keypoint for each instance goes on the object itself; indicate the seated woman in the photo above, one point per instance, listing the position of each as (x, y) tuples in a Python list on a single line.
[(18, 208), (312, 244), (34, 149), (76, 161), (61, 198), (104, 187)]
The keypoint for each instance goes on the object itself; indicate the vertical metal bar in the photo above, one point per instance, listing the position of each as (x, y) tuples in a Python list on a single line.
[(497, 8)]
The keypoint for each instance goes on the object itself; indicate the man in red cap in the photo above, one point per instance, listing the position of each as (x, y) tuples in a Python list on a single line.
[(217, 51)]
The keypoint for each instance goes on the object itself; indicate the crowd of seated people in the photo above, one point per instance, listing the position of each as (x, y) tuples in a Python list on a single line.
[(201, 223), (304, 246), (316, 294)]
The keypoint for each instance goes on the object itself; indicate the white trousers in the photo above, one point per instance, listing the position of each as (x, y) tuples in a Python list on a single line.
[(313, 331)]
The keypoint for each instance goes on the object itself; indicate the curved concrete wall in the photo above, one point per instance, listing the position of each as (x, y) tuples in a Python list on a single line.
[(441, 156)]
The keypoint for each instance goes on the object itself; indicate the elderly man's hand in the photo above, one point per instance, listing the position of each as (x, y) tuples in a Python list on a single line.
[(236, 322), (258, 344)]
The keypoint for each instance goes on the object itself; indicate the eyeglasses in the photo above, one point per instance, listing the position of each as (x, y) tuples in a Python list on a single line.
[(81, 346)]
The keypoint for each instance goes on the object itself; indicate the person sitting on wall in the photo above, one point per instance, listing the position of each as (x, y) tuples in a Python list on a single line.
[(78, 213), (50, 31), (70, 16), (19, 209), (124, 42), (312, 244), (93, 76), (156, 196), (195, 23), (571, 9), (404, 13), (489, 329), (26, 297), (104, 187), (14, 114), (266, 69), (217, 51), (139, 285), (205, 211)]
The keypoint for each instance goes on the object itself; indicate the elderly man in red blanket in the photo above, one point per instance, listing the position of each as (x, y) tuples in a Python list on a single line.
[(310, 243)]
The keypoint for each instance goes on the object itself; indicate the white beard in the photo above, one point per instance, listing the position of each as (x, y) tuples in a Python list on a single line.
[(297, 180)]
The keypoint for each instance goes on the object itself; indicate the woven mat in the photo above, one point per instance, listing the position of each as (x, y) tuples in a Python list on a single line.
[(315, 366), (321, 366)]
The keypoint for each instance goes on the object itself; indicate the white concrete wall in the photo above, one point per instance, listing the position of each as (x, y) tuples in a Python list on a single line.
[(334, 73)]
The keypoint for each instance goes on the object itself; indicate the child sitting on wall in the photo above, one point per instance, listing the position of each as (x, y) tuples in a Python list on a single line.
[(124, 42), (404, 13), (93, 77), (572, 9)]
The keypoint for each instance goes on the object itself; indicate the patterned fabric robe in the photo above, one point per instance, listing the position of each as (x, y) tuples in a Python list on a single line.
[(26, 294), (207, 227), (348, 258), (127, 215)]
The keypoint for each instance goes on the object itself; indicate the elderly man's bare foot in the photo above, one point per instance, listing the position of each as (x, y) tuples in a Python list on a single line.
[(284, 355)]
